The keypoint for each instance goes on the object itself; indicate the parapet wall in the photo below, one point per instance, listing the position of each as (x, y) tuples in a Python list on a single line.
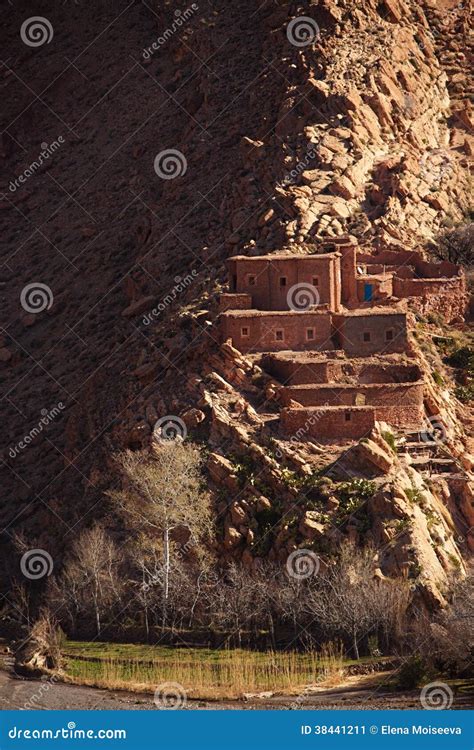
[(328, 422), (397, 260), (235, 302), (344, 394), (299, 368), (353, 422), (300, 371), (421, 287)]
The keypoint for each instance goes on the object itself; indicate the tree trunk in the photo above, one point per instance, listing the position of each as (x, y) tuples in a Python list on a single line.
[(166, 584), (271, 630), (97, 616), (355, 646)]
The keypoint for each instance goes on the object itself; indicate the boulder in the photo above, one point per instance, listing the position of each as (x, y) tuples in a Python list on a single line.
[(138, 307), (221, 471), (193, 417), (343, 187), (232, 538), (310, 527), (373, 455)]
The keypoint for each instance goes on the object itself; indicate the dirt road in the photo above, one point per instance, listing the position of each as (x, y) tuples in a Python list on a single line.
[(361, 693)]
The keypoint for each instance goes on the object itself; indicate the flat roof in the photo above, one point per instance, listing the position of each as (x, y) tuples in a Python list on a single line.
[(351, 386), (310, 356), (271, 313), (376, 276), (285, 256), (365, 312), (341, 407)]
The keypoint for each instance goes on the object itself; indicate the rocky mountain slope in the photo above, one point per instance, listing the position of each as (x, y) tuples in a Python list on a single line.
[(282, 144)]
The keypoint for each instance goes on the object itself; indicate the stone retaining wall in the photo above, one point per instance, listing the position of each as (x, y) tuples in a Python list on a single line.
[(343, 394)]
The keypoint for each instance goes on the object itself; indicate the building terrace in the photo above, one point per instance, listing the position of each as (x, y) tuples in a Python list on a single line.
[(319, 320)]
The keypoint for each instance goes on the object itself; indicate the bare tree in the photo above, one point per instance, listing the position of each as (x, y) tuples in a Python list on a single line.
[(90, 578), (234, 605), (452, 632), (457, 245), (348, 602), (162, 494)]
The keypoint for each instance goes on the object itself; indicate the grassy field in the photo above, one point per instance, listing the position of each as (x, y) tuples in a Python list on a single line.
[(203, 673)]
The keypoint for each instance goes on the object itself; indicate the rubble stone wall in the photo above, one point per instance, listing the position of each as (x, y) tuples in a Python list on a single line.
[(330, 422), (296, 373), (344, 394), (235, 302), (301, 370), (449, 307), (433, 287), (352, 422)]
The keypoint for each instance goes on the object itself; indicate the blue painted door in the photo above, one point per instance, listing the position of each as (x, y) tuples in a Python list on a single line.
[(367, 292)]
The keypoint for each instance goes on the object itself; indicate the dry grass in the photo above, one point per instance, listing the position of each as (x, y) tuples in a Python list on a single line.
[(227, 674)]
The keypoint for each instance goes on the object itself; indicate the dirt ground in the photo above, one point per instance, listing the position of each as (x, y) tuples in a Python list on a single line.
[(361, 692)]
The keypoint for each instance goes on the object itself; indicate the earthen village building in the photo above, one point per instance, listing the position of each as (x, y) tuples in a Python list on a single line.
[(332, 329)]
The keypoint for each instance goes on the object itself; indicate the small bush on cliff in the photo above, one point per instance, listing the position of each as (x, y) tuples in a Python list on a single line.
[(356, 489), (389, 438), (465, 393), (462, 359), (438, 378), (457, 245)]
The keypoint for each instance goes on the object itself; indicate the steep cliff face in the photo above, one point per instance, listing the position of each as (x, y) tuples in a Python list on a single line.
[(289, 131)]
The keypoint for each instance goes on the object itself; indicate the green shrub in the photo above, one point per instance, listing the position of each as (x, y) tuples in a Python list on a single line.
[(413, 673), (438, 378), (465, 393), (462, 359), (352, 495), (389, 438)]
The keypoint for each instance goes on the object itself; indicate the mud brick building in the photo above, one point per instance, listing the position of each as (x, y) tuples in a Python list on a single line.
[(267, 279), (332, 328)]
